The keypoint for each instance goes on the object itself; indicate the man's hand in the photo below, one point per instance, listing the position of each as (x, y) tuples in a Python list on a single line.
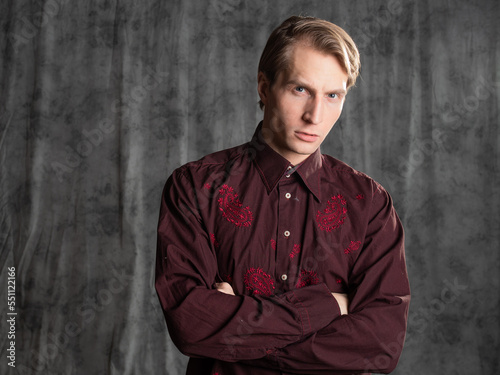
[(343, 302), (224, 288), (341, 298)]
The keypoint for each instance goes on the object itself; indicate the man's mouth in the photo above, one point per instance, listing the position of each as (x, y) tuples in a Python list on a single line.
[(307, 137)]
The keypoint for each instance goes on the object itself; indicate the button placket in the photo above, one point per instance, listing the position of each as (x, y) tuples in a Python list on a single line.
[(286, 225)]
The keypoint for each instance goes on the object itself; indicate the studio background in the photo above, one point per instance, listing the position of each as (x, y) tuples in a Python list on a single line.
[(101, 101)]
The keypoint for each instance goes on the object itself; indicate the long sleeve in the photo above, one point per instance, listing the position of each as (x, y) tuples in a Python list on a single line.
[(371, 336), (206, 323)]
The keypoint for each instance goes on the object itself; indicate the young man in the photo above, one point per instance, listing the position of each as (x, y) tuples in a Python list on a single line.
[(273, 258)]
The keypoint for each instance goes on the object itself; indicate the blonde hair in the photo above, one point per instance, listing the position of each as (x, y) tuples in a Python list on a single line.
[(322, 35)]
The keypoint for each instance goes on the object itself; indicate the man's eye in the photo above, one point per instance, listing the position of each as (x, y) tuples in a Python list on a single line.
[(333, 96), (300, 89)]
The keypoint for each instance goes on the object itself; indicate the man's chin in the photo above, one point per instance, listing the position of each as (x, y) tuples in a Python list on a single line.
[(304, 153), (306, 150)]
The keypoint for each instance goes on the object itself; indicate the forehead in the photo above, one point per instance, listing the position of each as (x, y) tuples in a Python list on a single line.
[(308, 63)]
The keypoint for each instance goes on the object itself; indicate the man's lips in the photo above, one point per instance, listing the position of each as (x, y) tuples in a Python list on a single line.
[(307, 137)]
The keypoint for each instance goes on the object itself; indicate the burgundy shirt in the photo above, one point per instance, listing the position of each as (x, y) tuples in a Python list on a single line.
[(284, 238)]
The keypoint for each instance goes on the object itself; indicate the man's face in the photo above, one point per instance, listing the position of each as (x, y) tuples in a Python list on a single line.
[(303, 104)]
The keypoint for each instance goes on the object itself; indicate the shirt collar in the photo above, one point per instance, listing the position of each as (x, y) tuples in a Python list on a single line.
[(272, 166)]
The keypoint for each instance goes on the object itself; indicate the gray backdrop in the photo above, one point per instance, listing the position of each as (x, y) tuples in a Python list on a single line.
[(100, 101)]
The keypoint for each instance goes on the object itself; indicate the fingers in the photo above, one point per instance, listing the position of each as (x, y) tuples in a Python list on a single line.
[(343, 302), (224, 288)]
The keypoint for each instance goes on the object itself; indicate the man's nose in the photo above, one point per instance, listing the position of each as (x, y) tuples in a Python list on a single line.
[(314, 110)]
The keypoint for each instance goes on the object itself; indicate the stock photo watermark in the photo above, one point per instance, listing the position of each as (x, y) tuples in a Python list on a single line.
[(423, 149), (248, 324), (87, 312), (453, 118), (28, 27), (449, 294), (93, 138), (419, 321), (383, 18), (11, 316), (457, 116)]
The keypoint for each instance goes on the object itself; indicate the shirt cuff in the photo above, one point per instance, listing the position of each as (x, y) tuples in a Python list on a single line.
[(317, 307)]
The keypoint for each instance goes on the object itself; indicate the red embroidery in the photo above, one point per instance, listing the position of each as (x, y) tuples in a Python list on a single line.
[(232, 209), (295, 251), (259, 282), (339, 281), (360, 196), (214, 241), (273, 244), (353, 246), (227, 278), (207, 186), (307, 278), (333, 215)]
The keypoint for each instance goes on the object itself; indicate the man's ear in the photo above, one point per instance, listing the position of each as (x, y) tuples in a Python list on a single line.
[(263, 87)]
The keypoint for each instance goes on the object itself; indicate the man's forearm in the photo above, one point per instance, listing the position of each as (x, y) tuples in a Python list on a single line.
[(341, 298)]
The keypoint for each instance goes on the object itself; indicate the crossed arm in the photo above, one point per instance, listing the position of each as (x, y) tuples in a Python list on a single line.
[(341, 298), (306, 330)]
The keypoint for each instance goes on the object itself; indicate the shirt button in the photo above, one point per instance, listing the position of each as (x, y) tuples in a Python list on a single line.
[(284, 277), (288, 195), (287, 233)]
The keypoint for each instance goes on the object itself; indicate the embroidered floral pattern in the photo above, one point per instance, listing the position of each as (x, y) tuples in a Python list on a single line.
[(214, 241), (307, 278), (353, 246), (273, 244), (295, 251), (333, 215), (232, 209), (259, 282), (339, 281), (207, 186), (360, 196), (227, 278)]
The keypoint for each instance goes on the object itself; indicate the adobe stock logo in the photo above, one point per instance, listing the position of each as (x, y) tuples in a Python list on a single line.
[(381, 19), (91, 139), (28, 27), (418, 322), (457, 116), (87, 312)]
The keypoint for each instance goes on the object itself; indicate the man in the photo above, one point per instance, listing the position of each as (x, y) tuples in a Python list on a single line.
[(273, 258)]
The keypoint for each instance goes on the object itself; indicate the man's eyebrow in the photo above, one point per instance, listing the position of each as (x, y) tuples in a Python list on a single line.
[(296, 82), (339, 91)]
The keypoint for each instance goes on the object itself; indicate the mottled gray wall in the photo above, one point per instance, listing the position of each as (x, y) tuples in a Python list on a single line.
[(100, 101)]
